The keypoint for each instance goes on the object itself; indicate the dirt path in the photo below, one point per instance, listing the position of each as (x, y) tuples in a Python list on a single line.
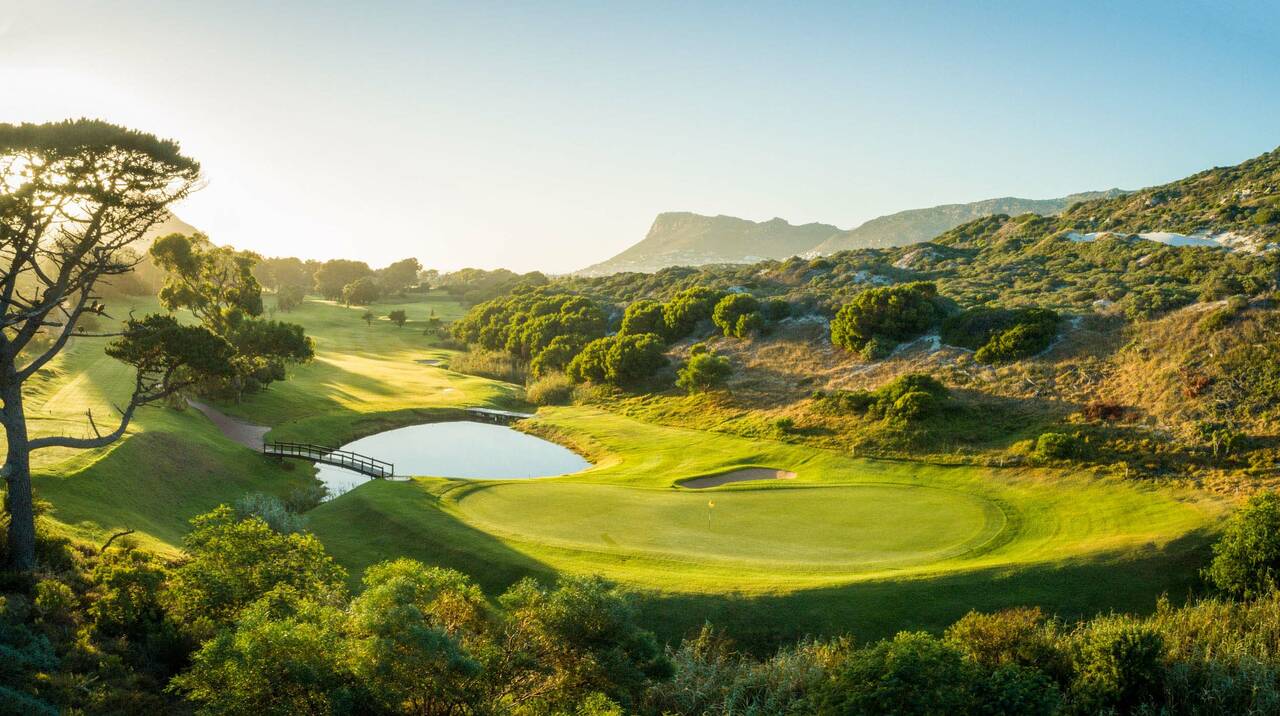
[(247, 434), (744, 475)]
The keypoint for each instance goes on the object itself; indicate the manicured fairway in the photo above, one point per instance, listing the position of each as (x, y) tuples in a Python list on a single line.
[(846, 529)]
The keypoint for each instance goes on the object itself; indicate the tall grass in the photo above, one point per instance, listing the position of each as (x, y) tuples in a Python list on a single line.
[(489, 364)]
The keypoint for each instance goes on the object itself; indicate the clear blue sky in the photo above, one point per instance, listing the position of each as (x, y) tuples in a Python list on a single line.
[(547, 135)]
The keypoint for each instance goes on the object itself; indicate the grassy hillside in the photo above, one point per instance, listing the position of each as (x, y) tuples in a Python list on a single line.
[(174, 464)]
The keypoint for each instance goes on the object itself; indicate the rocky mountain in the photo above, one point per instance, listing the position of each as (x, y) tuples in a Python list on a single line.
[(915, 225), (687, 239)]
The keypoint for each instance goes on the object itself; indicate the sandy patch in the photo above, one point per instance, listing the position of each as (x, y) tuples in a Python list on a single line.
[(746, 474), (429, 361)]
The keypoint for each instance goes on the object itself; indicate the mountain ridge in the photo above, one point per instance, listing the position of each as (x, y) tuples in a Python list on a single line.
[(683, 238)]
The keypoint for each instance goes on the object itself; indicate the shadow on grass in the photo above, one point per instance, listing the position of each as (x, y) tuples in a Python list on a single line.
[(383, 520), (873, 610)]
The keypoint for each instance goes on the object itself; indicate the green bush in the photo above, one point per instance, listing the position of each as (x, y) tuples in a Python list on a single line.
[(704, 371), (526, 321), (738, 315), (619, 360), (688, 308), (910, 398), (550, 389), (644, 316), (556, 356), (912, 674), (1246, 559), (1055, 446), (889, 313), (1001, 335), (1119, 667), (876, 349)]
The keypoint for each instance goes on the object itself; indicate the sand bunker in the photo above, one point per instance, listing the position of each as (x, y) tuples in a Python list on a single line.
[(746, 474), (429, 361)]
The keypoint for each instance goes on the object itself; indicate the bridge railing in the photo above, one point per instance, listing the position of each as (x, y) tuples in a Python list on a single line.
[(363, 464)]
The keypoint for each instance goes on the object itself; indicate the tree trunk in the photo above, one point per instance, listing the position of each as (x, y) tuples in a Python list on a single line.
[(17, 468)]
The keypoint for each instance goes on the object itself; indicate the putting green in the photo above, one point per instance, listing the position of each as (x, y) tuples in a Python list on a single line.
[(848, 528)]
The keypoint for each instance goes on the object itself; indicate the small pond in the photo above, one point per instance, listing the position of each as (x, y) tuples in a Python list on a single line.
[(456, 449)]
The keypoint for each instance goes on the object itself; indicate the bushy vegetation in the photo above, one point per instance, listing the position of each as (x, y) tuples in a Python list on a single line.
[(909, 398), (688, 308), (488, 364), (886, 315), (738, 315), (550, 389), (525, 322), (704, 371), (619, 360), (1001, 335), (1246, 560), (644, 316)]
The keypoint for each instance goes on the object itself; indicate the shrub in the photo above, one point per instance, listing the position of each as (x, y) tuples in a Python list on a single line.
[(704, 371), (914, 405), (269, 509), (550, 389), (911, 397), (912, 674), (1246, 559), (233, 562), (1001, 335), (1119, 667), (525, 322), (644, 316), (398, 317), (876, 349), (619, 360), (776, 309), (738, 315), (890, 313), (1013, 637), (688, 308), (1055, 446), (556, 356)]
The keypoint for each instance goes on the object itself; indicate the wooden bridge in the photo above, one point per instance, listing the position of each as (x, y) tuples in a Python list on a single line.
[(362, 464)]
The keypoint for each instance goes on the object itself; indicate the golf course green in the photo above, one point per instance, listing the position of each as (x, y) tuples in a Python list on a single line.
[(844, 543), (848, 529)]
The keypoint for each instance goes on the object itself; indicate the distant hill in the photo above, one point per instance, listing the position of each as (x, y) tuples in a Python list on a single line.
[(916, 225), (687, 239), (171, 225)]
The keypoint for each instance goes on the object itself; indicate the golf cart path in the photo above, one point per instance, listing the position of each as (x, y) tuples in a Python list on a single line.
[(245, 433)]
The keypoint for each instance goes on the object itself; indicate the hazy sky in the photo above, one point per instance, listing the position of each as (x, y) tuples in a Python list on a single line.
[(548, 135)]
